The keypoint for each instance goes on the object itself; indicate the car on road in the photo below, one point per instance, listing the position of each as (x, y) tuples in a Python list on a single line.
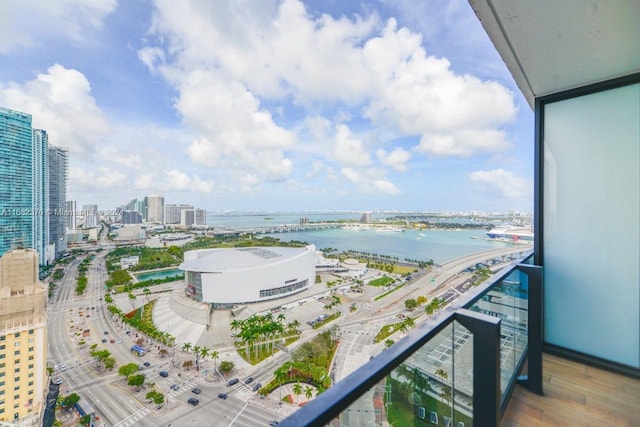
[(175, 387), (104, 340), (163, 374), (196, 390), (273, 423), (248, 380), (233, 382), (106, 332), (62, 367), (193, 401), (256, 387), (119, 341), (112, 341), (147, 364), (222, 395)]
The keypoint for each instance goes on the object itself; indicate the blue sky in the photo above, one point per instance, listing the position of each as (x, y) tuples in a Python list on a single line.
[(272, 105)]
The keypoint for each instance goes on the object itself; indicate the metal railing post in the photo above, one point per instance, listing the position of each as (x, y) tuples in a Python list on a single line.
[(486, 365), (533, 380)]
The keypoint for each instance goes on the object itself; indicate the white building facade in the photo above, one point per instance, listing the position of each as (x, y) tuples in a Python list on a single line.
[(229, 276)]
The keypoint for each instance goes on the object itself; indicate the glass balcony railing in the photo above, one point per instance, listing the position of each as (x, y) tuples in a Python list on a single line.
[(456, 369)]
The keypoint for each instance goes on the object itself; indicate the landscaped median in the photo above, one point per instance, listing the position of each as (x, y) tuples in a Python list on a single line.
[(388, 330)]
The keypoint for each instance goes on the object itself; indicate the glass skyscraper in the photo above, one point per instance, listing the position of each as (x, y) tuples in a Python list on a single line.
[(40, 175), (58, 174), (16, 180)]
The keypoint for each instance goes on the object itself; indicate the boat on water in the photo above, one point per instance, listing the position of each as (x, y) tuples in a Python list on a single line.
[(516, 234)]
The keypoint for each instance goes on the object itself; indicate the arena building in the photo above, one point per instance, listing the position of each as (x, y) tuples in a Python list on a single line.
[(224, 277)]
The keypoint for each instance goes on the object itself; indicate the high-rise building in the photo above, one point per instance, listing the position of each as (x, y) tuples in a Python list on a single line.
[(23, 338), (172, 213), (140, 207), (365, 217), (58, 173), (40, 180), (187, 217), (201, 217), (154, 208), (90, 215), (16, 183), (72, 219), (131, 217)]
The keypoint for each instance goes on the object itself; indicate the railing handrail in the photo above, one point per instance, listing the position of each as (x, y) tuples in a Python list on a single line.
[(334, 400)]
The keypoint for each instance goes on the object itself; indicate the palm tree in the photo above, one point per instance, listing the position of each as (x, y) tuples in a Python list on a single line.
[(308, 392), (445, 392), (293, 327), (297, 388), (196, 350), (186, 347), (403, 327), (204, 352), (410, 322), (214, 355), (281, 374)]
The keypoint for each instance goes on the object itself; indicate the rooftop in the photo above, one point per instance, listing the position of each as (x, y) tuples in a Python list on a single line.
[(229, 259)]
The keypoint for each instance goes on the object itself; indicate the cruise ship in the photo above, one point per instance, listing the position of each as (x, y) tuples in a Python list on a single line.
[(521, 234)]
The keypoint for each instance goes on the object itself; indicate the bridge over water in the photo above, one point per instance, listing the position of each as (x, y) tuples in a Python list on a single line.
[(287, 228)]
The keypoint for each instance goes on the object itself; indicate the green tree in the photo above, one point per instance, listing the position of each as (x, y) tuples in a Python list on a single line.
[(109, 363), (85, 420), (410, 304), (136, 380), (186, 347), (308, 392), (70, 400), (226, 366), (297, 388), (158, 399), (128, 369), (214, 356), (388, 343)]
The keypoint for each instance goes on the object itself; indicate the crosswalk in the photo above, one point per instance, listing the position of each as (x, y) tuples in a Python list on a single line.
[(141, 413), (133, 418)]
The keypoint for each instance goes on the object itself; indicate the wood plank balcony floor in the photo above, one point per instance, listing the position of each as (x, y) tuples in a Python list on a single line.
[(576, 395)]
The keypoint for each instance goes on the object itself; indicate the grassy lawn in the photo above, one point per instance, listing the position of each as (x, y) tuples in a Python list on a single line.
[(381, 281)]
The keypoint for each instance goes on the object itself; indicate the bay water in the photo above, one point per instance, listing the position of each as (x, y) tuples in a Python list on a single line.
[(440, 245)]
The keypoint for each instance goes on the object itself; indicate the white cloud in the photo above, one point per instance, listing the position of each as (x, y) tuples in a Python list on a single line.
[(60, 101), (465, 142), (27, 23), (396, 159), (151, 57), (144, 181), (502, 182), (370, 181), (176, 180), (349, 151), (102, 177), (357, 62), (232, 127), (316, 168)]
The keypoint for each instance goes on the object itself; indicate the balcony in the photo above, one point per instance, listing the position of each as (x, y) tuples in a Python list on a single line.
[(576, 395), (462, 368)]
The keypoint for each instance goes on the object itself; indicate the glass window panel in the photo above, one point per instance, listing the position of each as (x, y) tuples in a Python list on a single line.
[(591, 230)]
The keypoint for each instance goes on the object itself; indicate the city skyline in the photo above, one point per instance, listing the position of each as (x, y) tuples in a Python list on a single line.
[(373, 106)]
